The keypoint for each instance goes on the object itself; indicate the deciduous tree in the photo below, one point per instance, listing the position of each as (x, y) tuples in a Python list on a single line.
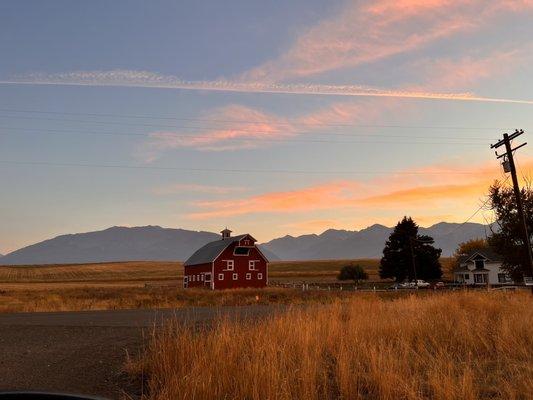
[(506, 236), (352, 273)]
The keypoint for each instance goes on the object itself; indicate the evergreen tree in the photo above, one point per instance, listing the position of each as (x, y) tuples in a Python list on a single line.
[(397, 261)]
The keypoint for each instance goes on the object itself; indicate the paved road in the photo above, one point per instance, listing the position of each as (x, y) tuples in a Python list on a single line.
[(83, 352)]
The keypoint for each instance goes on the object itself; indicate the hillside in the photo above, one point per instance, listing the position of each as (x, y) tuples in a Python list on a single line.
[(366, 243), (154, 243)]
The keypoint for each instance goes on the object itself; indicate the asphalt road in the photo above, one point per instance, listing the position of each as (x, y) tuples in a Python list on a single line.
[(84, 352)]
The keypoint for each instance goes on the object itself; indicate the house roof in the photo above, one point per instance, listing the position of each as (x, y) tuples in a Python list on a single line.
[(209, 252), (488, 254)]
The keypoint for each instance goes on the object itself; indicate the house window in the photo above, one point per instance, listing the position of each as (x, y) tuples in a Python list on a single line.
[(248, 276), (235, 277), (467, 277), (480, 278), (504, 278), (241, 251), (251, 265), (220, 277), (185, 279), (479, 264), (230, 264), (260, 276)]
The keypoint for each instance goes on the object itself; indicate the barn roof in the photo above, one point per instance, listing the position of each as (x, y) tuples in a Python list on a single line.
[(209, 252)]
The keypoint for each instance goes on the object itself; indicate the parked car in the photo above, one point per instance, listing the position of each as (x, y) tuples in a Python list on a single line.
[(438, 285)]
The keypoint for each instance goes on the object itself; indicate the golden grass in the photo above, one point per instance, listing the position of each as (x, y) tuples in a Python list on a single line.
[(119, 271), (111, 298), (153, 271), (441, 346)]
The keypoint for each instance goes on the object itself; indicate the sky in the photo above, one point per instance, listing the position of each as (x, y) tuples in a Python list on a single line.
[(273, 118)]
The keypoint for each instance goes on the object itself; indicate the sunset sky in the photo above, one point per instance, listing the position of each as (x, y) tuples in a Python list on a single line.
[(269, 117)]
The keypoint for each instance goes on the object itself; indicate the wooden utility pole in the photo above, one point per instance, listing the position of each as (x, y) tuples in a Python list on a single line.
[(509, 166)]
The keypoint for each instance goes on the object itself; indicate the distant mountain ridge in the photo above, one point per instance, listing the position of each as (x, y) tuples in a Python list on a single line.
[(366, 243), (154, 243)]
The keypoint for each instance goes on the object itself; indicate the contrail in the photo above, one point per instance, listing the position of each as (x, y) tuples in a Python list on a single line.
[(144, 79)]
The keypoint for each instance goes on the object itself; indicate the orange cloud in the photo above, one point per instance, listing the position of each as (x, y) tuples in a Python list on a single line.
[(311, 198), (420, 188)]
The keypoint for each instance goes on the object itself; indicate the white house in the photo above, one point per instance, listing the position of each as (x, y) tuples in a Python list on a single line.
[(480, 267)]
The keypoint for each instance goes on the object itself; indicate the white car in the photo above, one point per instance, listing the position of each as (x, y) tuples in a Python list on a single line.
[(420, 283)]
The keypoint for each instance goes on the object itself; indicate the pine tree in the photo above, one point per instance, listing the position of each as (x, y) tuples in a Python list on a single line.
[(397, 261)]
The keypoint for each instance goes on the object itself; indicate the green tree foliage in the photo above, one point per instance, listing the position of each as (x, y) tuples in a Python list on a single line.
[(352, 273), (397, 259), (506, 236)]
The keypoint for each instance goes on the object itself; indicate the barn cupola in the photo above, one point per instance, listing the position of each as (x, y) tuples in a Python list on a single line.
[(226, 233)]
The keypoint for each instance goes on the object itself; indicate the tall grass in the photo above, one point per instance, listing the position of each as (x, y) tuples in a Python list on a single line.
[(443, 346)]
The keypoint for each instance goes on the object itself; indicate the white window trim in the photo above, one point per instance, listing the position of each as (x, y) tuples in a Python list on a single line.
[(235, 276), (185, 279), (259, 276), (228, 263), (248, 276), (220, 277), (252, 265)]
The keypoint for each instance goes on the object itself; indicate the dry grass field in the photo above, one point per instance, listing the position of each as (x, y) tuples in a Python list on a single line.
[(148, 285), (461, 346)]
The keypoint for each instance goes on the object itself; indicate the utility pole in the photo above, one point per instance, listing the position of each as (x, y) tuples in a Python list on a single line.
[(411, 239), (509, 166)]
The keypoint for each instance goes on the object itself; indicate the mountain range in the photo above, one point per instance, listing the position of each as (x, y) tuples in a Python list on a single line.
[(368, 242), (155, 243)]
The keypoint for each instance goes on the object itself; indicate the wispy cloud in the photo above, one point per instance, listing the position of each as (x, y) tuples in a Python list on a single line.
[(367, 31), (383, 193), (232, 134), (126, 78), (237, 127)]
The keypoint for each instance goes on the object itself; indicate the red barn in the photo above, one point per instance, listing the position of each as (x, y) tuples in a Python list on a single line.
[(228, 263)]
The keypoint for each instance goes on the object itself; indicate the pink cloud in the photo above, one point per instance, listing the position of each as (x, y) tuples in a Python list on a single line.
[(364, 32)]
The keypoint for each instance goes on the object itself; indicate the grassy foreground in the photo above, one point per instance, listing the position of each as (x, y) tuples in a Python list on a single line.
[(444, 346)]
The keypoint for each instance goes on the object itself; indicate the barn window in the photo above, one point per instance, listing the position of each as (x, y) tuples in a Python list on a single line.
[(235, 277), (260, 276), (220, 277), (202, 277), (248, 276), (251, 265), (241, 251), (229, 265), (208, 277)]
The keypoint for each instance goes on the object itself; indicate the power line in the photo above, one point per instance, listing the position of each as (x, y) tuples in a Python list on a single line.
[(286, 121), (298, 133), (230, 139), (225, 170)]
